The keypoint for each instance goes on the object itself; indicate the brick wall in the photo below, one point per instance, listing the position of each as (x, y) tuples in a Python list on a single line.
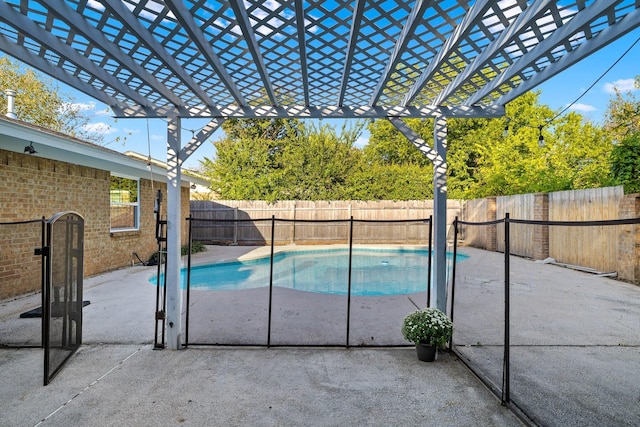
[(540, 232), (629, 241), (33, 187)]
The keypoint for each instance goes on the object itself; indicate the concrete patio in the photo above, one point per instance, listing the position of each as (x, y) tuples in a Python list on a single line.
[(116, 378)]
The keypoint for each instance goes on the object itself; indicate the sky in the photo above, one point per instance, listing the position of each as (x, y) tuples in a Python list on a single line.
[(144, 135)]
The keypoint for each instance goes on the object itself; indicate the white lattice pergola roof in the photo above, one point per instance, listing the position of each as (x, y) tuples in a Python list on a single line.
[(308, 58)]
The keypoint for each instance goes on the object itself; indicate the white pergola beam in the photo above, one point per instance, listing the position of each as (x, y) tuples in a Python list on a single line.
[(27, 26), (174, 223), (510, 33), (306, 112), (47, 67), (132, 23), (475, 14), (79, 24), (199, 138), (408, 31), (302, 48), (544, 47), (353, 41), (438, 156), (608, 35), (185, 19), (242, 18), (439, 271)]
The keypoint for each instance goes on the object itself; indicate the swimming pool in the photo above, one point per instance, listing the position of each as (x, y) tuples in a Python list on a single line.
[(374, 272)]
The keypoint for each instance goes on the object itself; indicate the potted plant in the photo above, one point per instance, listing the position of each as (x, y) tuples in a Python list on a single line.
[(429, 329)]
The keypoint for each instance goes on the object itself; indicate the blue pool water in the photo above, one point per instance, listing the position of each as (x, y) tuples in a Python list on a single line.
[(374, 272)]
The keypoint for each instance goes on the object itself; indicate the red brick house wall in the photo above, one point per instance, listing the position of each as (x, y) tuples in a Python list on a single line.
[(33, 187)]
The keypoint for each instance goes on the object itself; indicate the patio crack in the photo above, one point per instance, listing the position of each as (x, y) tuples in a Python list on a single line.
[(103, 376)]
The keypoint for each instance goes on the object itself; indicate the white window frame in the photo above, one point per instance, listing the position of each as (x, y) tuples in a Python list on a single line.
[(135, 204)]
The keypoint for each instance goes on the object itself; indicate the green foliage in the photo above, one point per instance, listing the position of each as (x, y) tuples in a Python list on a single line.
[(284, 160), (390, 182), (39, 101), (427, 326), (291, 162), (388, 146), (246, 169), (319, 162), (575, 153), (622, 118), (196, 247), (274, 129), (625, 163)]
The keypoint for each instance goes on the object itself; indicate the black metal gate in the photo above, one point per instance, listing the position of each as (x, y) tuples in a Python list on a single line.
[(62, 275)]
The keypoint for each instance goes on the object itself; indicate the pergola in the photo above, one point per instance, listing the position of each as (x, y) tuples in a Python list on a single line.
[(221, 59)]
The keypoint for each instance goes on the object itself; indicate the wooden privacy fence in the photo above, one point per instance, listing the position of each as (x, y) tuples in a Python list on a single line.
[(319, 222), (611, 248), (602, 248)]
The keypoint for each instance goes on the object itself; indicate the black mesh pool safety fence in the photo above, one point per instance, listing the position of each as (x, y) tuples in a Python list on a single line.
[(348, 292), (22, 273), (556, 341), (44, 256)]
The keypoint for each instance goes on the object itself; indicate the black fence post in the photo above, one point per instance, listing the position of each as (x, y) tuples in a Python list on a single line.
[(43, 274), (349, 279), (453, 273), (273, 226), (506, 373), (186, 328), (430, 253)]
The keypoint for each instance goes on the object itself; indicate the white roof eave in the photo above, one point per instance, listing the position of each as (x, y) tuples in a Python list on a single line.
[(15, 136)]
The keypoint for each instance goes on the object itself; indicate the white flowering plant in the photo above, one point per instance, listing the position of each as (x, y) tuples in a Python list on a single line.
[(428, 326)]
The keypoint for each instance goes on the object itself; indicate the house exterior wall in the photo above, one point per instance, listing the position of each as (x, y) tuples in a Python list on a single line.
[(34, 187)]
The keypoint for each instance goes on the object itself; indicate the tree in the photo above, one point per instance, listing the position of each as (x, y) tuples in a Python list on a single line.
[(39, 101), (387, 146), (575, 153), (282, 160), (311, 163), (390, 182), (318, 163), (622, 117), (625, 163), (271, 129)]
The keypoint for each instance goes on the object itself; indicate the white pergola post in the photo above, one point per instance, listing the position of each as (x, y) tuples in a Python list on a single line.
[(439, 271), (174, 290), (437, 155)]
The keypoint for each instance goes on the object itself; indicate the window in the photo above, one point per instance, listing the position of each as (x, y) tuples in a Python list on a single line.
[(125, 203)]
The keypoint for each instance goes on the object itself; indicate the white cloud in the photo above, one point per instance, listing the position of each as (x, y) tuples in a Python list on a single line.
[(585, 108), (100, 127), (131, 131), (79, 106), (623, 85), (96, 5), (85, 106), (103, 112), (150, 11), (156, 137), (546, 23)]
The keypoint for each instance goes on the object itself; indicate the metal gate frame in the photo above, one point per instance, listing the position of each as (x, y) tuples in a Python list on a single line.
[(62, 282)]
